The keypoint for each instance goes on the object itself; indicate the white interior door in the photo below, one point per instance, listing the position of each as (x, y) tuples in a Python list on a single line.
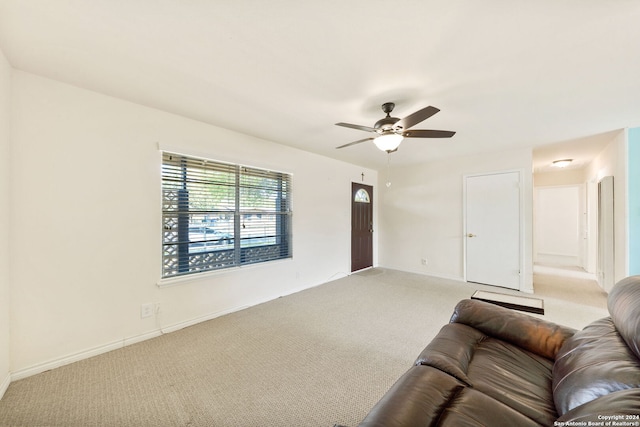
[(493, 254), (606, 230)]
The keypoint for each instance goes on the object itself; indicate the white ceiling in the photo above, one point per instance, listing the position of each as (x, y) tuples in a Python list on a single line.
[(505, 73)]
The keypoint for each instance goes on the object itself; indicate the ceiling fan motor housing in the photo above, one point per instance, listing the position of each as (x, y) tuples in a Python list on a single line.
[(386, 123)]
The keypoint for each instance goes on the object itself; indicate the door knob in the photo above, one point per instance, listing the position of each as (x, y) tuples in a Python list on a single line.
[(471, 235)]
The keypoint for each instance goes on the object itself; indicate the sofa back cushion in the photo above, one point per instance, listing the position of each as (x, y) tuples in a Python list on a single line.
[(594, 362), (624, 307), (538, 336)]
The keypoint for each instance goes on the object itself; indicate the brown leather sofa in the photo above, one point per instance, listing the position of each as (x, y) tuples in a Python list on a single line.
[(492, 366)]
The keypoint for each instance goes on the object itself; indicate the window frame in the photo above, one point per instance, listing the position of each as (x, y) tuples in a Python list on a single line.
[(261, 212)]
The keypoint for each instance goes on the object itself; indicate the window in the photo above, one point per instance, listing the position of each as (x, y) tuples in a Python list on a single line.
[(361, 196), (217, 215)]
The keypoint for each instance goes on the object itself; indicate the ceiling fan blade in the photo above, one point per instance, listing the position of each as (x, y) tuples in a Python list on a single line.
[(424, 133), (417, 117), (355, 142), (358, 127)]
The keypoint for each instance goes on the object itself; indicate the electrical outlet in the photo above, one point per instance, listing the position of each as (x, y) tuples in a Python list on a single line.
[(147, 310), (424, 261)]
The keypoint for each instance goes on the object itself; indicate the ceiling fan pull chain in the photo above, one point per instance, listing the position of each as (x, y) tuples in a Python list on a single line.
[(388, 170)]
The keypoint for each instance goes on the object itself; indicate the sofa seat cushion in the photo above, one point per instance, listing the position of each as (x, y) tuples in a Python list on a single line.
[(498, 369), (426, 396), (593, 363), (473, 408)]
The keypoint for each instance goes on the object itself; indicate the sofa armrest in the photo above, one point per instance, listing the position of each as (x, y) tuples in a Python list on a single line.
[(622, 406), (539, 336)]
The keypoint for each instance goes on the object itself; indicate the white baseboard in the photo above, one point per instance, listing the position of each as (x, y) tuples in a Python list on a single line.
[(66, 360), (436, 275), (571, 260), (96, 351), (200, 319), (5, 385), (76, 357), (211, 316)]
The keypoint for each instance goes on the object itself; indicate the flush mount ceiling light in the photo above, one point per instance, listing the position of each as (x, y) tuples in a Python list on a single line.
[(389, 141), (563, 163)]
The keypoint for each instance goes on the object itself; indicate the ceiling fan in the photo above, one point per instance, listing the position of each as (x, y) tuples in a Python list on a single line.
[(392, 130)]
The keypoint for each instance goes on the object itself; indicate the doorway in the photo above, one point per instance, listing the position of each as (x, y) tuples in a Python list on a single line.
[(361, 226), (493, 225), (561, 226)]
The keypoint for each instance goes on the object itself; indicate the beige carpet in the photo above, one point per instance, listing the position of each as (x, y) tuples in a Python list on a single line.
[(320, 357)]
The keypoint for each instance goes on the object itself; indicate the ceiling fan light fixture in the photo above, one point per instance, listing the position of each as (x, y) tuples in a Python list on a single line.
[(388, 141), (563, 163), (390, 131)]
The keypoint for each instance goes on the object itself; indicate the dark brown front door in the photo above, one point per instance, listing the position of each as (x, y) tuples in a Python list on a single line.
[(361, 226)]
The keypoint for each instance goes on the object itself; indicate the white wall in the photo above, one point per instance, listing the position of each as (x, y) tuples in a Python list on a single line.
[(422, 213), (5, 96), (558, 225), (87, 225), (612, 162)]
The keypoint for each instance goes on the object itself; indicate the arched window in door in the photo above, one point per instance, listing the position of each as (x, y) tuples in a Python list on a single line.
[(362, 196)]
